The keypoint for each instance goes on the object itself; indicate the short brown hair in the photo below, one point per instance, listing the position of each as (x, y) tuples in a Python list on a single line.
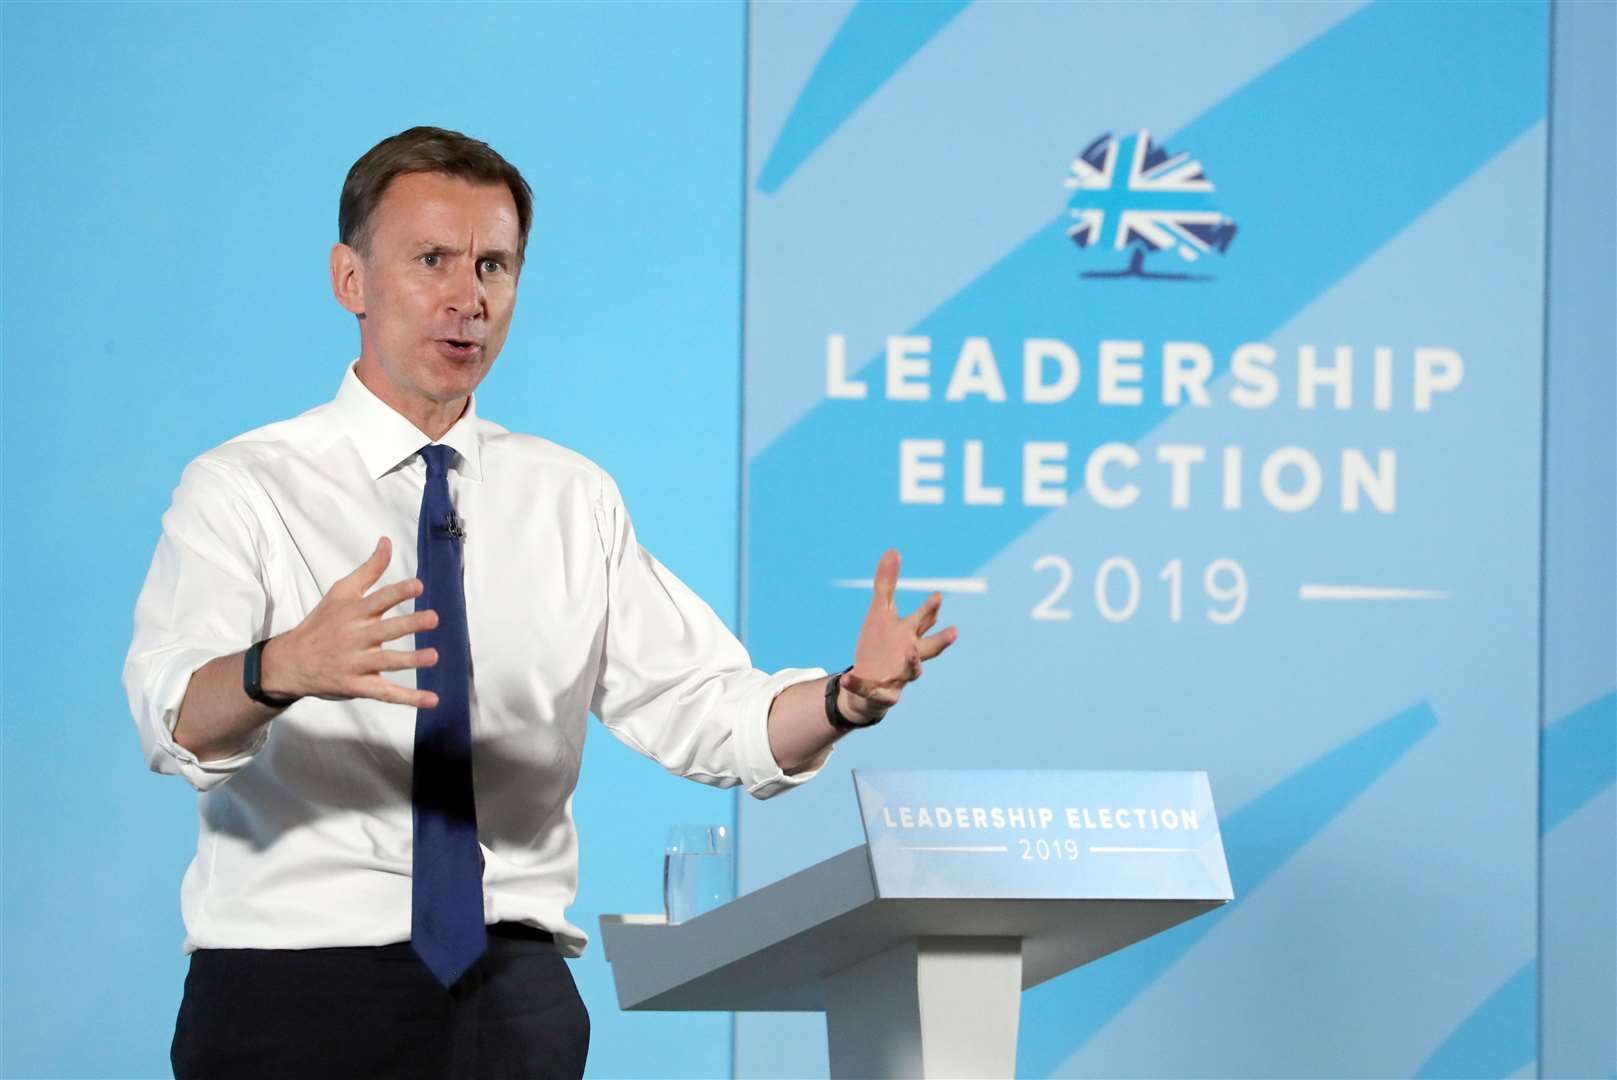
[(425, 150)]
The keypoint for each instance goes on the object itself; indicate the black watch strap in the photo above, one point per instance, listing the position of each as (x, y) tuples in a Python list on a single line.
[(833, 714), (252, 678)]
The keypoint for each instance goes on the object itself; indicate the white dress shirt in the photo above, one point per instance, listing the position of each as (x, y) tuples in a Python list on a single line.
[(305, 836)]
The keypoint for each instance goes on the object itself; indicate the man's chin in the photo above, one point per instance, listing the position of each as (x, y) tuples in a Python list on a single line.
[(449, 379)]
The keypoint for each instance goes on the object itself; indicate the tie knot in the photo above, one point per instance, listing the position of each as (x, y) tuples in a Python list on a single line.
[(437, 457)]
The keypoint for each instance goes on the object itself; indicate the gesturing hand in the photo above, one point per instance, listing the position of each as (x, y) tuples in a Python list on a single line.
[(336, 651), (890, 649)]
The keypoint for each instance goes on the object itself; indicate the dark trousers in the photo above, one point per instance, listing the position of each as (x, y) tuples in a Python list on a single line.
[(377, 1012)]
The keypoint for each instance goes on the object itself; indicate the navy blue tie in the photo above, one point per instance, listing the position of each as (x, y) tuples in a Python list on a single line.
[(446, 911)]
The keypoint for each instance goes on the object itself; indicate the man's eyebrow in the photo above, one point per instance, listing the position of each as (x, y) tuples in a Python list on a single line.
[(429, 247)]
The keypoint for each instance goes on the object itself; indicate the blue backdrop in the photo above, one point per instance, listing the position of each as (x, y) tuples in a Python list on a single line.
[(1149, 576), (170, 181)]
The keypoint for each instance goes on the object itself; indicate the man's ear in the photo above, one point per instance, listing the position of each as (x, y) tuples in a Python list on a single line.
[(348, 278)]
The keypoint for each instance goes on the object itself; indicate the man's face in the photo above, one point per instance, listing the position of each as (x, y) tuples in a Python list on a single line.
[(438, 285)]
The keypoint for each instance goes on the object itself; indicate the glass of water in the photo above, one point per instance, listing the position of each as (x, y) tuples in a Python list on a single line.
[(698, 870)]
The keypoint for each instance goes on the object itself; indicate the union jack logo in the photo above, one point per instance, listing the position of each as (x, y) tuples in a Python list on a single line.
[(1159, 202)]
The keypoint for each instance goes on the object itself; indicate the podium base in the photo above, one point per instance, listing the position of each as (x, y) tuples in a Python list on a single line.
[(929, 1007)]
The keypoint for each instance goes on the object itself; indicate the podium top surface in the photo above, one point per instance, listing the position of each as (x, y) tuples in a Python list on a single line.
[(769, 950)]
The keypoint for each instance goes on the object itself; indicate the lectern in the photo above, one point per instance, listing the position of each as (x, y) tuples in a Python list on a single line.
[(971, 887)]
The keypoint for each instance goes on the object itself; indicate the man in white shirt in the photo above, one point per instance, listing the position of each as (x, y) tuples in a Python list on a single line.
[(260, 671)]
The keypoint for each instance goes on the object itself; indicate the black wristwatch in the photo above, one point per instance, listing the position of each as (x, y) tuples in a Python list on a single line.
[(252, 675), (834, 714)]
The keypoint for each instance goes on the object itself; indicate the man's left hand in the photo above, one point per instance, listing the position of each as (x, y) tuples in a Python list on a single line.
[(890, 650)]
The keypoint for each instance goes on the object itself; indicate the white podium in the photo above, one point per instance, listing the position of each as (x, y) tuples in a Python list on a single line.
[(918, 985)]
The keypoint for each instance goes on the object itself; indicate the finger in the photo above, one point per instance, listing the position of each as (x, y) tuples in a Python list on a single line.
[(877, 694), (399, 625), (399, 659), (369, 572), (391, 595), (924, 616), (856, 685), (928, 647), (379, 689), (886, 581)]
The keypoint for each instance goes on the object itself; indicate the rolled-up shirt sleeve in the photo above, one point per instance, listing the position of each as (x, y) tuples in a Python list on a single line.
[(204, 597), (674, 682)]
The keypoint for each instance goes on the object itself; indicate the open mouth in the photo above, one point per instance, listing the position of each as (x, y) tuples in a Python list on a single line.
[(459, 348)]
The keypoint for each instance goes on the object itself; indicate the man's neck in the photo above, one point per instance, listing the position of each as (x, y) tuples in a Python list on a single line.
[(431, 418)]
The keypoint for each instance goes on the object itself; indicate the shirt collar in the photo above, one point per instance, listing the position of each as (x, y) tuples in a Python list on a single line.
[(386, 439)]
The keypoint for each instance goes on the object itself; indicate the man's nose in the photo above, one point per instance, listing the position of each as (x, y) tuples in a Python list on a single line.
[(465, 289)]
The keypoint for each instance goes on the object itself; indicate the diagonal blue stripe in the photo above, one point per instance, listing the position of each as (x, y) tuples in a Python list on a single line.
[(1280, 154), (1062, 1015), (1580, 760), (875, 41), (1497, 1039)]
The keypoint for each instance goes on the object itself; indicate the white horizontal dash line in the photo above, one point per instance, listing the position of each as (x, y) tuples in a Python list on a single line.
[(922, 584), (1367, 592), (948, 847), (1139, 850)]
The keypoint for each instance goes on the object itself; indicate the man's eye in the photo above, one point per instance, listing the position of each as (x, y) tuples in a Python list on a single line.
[(491, 266), (431, 260)]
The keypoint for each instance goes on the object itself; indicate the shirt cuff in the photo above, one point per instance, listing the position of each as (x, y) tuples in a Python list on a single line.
[(163, 754), (763, 775)]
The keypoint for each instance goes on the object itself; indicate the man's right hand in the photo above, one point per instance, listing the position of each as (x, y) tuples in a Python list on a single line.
[(336, 651)]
